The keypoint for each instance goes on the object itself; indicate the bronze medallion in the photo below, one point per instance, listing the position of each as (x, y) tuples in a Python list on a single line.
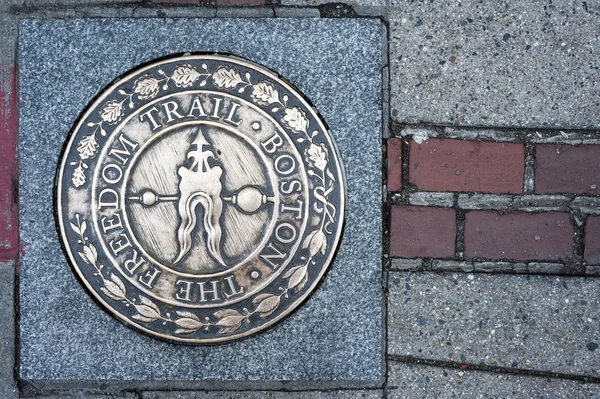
[(200, 198)]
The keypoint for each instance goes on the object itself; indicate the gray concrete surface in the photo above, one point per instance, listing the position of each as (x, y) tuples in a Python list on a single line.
[(89, 395), (352, 3), (358, 394), (499, 63), (408, 381), (335, 339), (546, 323)]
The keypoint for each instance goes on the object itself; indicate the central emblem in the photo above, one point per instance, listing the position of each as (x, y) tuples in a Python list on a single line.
[(200, 198), (200, 184)]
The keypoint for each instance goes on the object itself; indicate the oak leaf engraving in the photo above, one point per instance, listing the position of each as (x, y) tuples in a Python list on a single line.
[(265, 93), (295, 118), (227, 77), (317, 155), (78, 176), (112, 111), (146, 87), (88, 146), (185, 75)]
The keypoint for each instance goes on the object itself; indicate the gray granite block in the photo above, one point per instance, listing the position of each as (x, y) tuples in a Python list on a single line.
[(244, 12), (405, 264), (445, 200), (334, 340), (495, 63), (297, 12), (359, 394), (545, 323), (8, 386), (410, 381)]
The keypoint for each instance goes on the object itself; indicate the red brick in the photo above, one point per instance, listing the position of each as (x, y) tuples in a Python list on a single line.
[(519, 236), (564, 168), (592, 240), (459, 165), (394, 164), (423, 232), (8, 164)]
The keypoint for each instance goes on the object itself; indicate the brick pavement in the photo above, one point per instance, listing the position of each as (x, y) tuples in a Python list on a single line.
[(492, 182)]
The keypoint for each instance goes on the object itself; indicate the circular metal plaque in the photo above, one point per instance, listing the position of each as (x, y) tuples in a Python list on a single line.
[(200, 198)]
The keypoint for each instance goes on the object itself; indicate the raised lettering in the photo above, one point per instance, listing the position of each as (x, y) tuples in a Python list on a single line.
[(184, 288), (125, 143), (171, 109), (103, 203), (284, 164), (297, 210), (131, 265), (197, 105), (271, 145), (118, 245), (232, 284), (149, 115), (214, 292), (282, 236), (290, 186), (229, 118), (274, 255), (109, 224), (149, 278), (114, 177)]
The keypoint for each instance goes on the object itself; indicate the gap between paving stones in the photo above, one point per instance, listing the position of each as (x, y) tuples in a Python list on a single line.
[(487, 266), (493, 369), (541, 135), (503, 203)]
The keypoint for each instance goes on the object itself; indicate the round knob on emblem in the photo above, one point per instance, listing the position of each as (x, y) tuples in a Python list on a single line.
[(250, 199), (149, 198)]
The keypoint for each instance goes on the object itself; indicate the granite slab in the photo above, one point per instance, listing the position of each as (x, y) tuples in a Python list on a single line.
[(334, 340)]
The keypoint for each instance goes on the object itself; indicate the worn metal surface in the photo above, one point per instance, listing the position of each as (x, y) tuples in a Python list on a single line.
[(200, 198)]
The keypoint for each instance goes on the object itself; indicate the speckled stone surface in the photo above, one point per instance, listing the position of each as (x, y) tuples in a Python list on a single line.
[(353, 3), (358, 394), (336, 337), (8, 386), (495, 63), (546, 323), (416, 382)]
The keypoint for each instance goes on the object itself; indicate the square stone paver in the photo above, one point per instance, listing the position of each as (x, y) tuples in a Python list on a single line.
[(334, 340)]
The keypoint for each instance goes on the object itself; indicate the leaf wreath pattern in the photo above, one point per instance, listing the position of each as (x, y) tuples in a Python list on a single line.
[(146, 87), (185, 75), (88, 147), (227, 77), (295, 118)]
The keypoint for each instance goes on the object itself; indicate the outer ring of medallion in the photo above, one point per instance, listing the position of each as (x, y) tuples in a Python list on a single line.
[(294, 282)]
